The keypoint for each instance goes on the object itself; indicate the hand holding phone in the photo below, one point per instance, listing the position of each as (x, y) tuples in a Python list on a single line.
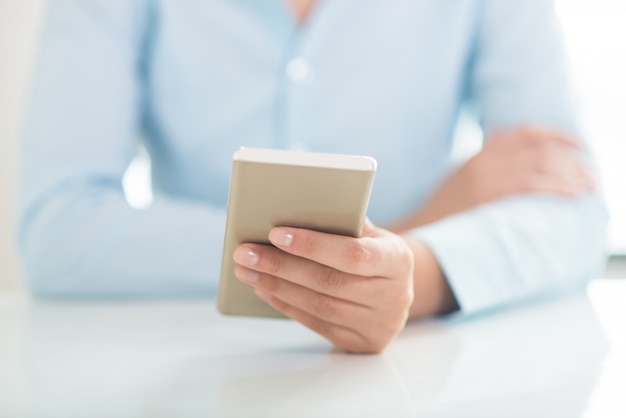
[(270, 188), (352, 285), (356, 292)]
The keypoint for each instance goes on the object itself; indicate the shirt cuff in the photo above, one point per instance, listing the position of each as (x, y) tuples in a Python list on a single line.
[(473, 262)]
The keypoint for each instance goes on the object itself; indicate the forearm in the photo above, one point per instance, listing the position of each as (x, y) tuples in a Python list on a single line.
[(86, 241), (514, 162), (451, 196), (550, 235), (517, 248)]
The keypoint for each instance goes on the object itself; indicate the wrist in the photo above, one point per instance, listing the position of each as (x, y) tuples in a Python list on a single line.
[(432, 292), (470, 175)]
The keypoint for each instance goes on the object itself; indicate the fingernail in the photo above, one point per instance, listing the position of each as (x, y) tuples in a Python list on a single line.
[(245, 257), (249, 276), (281, 237)]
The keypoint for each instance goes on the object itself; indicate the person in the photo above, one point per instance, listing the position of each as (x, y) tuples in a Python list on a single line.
[(195, 80)]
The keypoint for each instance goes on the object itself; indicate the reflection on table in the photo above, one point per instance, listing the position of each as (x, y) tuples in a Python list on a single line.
[(181, 358)]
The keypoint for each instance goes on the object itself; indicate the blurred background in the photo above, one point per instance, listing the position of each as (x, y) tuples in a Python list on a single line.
[(594, 31), (18, 28)]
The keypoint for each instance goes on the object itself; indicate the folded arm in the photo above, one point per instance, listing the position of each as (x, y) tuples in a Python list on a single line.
[(539, 226)]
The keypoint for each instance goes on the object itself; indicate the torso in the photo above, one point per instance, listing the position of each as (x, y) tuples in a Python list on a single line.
[(220, 78)]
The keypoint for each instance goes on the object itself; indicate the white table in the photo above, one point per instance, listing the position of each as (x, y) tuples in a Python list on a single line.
[(556, 358)]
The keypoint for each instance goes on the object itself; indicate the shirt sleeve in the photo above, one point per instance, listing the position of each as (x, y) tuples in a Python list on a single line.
[(77, 234), (532, 244)]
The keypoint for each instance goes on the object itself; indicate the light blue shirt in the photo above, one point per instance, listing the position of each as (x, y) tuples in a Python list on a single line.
[(197, 79)]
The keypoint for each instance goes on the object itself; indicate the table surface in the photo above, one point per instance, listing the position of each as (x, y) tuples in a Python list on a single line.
[(563, 357)]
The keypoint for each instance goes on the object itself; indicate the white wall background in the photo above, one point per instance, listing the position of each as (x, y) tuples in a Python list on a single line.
[(595, 32), (596, 36), (17, 31)]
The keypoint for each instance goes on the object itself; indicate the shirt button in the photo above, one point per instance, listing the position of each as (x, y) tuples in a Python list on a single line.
[(299, 70)]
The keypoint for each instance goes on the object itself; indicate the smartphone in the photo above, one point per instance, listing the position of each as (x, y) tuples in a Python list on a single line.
[(269, 188)]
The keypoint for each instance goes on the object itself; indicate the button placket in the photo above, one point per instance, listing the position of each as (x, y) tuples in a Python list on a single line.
[(299, 70)]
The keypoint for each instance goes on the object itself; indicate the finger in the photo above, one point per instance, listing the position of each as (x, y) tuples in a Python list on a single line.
[(563, 178), (575, 171), (565, 187), (343, 337), (366, 256), (369, 229), (272, 262), (335, 310), (553, 159), (547, 158), (587, 177), (542, 134), (565, 165)]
